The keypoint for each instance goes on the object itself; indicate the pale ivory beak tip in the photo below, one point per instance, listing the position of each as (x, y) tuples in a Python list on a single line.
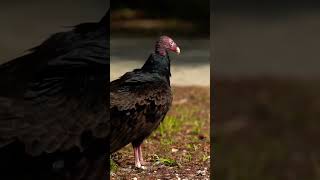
[(178, 50)]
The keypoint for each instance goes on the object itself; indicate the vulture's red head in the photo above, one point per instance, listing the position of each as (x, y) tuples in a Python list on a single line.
[(165, 44)]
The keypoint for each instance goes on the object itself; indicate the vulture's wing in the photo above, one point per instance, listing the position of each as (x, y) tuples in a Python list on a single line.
[(53, 98), (149, 98)]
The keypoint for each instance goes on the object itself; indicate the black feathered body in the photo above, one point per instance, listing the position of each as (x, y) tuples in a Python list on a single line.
[(53, 106), (139, 102)]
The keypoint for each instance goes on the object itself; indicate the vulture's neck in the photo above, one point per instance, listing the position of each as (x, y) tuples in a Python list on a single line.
[(158, 64)]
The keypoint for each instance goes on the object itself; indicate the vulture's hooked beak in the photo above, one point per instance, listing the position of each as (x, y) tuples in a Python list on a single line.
[(178, 50)]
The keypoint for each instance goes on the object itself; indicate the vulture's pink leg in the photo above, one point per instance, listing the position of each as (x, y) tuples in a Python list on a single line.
[(142, 162), (136, 157)]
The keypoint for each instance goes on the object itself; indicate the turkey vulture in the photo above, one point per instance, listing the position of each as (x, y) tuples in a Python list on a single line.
[(54, 107), (141, 99)]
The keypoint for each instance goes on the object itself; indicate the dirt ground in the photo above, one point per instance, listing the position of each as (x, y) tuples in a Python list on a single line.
[(179, 148)]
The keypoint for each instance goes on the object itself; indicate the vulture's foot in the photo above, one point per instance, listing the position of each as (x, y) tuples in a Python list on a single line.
[(138, 158), (142, 162)]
